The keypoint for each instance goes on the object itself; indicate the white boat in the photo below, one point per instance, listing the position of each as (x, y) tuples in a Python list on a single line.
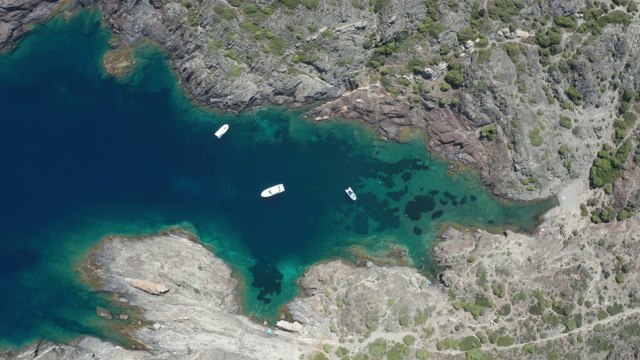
[(277, 189), (351, 194), (222, 130)]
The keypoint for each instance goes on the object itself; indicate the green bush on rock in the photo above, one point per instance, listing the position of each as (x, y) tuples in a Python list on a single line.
[(469, 343)]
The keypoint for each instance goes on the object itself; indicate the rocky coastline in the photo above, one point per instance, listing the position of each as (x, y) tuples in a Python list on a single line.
[(378, 64), (567, 291), (570, 290)]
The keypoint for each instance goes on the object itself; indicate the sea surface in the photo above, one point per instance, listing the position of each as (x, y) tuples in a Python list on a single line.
[(84, 155)]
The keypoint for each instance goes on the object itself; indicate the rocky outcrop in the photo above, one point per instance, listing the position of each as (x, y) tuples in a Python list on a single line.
[(17, 15), (148, 286), (104, 313)]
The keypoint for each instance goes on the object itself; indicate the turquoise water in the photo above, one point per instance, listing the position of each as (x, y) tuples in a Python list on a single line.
[(85, 156)]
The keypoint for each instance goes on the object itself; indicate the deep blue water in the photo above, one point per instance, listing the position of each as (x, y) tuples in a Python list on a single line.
[(84, 155)]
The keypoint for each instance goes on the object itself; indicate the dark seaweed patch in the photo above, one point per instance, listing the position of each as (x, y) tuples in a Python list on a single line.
[(267, 278), (450, 196), (417, 230), (473, 198), (396, 195), (454, 203), (420, 204), (437, 214), (463, 200), (361, 224), (434, 192), (443, 202), (406, 176)]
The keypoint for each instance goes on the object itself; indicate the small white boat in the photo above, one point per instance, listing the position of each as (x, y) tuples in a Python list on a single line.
[(277, 189), (351, 194), (222, 130)]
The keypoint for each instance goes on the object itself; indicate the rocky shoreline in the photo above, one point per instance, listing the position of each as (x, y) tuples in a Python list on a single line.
[(568, 291), (237, 57), (554, 293)]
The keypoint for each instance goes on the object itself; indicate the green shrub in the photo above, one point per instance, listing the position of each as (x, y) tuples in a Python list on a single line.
[(454, 78), (552, 37), (483, 301), (444, 86), (608, 167), (529, 348), (562, 308), (499, 290), (505, 341), (409, 340), (504, 310), (505, 9), (465, 34), (303, 57), (341, 352), (276, 46), (512, 51), (565, 122), (565, 21), (477, 354), (251, 8), (378, 347), (489, 132), (620, 278), (327, 348), (570, 325), (192, 19), (583, 210), (574, 95), (615, 17), (614, 309), (379, 4), (416, 65), (469, 343), (235, 71), (320, 357), (534, 137), (483, 42), (422, 354), (629, 118)]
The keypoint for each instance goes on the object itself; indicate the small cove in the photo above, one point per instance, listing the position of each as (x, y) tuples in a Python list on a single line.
[(85, 156)]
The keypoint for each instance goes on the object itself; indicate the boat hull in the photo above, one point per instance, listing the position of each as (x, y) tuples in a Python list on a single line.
[(351, 194), (274, 190), (222, 130)]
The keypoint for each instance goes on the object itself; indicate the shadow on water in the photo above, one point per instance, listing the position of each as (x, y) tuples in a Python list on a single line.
[(85, 156)]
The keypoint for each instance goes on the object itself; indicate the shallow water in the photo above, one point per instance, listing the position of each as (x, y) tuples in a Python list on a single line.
[(85, 156)]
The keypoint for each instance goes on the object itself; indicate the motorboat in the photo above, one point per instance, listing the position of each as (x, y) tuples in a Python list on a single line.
[(277, 189), (222, 130), (351, 194)]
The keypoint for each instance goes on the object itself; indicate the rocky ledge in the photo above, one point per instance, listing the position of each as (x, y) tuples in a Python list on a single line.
[(568, 291)]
